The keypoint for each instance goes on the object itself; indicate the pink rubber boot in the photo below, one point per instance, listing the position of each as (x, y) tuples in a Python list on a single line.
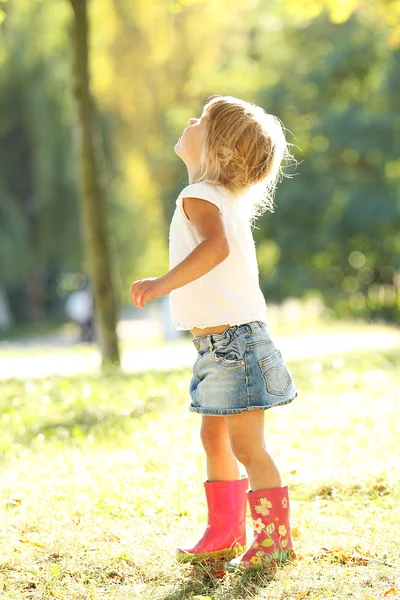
[(225, 534), (272, 543)]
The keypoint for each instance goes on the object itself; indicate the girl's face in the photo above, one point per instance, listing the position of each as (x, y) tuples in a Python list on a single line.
[(189, 145)]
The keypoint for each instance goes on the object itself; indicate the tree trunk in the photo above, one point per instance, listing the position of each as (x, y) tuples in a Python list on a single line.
[(92, 194)]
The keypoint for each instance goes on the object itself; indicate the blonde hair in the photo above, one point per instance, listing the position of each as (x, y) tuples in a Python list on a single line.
[(243, 150)]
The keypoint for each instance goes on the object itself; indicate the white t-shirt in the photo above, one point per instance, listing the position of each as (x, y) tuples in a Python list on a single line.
[(229, 293)]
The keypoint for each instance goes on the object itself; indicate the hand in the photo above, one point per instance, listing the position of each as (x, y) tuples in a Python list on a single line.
[(147, 289)]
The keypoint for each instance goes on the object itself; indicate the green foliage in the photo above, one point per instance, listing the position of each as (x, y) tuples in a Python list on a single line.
[(344, 200), (38, 232)]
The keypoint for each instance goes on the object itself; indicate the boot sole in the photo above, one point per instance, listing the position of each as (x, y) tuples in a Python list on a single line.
[(217, 555)]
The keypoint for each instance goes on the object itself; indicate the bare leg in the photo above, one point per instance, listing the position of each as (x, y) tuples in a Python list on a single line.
[(263, 472), (246, 433), (221, 462)]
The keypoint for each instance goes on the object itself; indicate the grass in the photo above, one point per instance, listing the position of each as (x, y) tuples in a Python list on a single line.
[(101, 478)]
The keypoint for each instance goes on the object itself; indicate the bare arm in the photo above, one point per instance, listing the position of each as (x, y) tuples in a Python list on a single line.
[(213, 250)]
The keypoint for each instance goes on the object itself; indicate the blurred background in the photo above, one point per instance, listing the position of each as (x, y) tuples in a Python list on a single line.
[(330, 70)]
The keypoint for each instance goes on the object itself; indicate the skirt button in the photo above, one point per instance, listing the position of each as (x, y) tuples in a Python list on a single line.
[(242, 362)]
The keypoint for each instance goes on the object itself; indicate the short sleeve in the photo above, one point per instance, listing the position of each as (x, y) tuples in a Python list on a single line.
[(200, 190)]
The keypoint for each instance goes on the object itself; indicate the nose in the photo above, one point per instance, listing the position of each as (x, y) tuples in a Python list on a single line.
[(190, 121)]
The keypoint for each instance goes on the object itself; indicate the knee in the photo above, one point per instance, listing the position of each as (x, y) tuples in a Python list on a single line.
[(213, 442)]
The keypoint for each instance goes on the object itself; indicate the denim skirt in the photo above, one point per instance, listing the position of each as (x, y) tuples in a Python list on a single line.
[(240, 369)]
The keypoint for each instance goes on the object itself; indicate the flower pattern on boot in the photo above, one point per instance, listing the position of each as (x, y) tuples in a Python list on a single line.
[(263, 507), (272, 542)]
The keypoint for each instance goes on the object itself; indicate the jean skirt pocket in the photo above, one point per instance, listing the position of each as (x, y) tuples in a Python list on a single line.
[(278, 378), (229, 352)]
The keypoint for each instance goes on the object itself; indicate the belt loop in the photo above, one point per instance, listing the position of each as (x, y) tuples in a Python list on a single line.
[(251, 329)]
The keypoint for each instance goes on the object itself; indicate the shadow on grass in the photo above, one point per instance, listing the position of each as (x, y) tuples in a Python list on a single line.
[(205, 580)]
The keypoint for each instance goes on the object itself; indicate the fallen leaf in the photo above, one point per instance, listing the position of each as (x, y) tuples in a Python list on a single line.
[(295, 532), (219, 573), (28, 541), (344, 556), (391, 591), (12, 502), (301, 595)]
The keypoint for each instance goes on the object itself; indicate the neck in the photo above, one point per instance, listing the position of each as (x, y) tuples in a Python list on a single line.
[(193, 171)]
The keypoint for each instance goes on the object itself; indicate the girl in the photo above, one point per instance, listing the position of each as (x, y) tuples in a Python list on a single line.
[(233, 155)]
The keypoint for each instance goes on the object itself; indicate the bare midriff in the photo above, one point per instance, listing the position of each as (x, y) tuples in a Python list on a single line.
[(197, 332)]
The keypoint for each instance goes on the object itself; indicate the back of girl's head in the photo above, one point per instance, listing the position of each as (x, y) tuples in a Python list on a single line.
[(243, 151)]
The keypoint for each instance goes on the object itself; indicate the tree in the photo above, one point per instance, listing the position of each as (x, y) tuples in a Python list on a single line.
[(92, 193)]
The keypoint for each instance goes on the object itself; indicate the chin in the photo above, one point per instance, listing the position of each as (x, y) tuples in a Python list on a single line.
[(177, 151)]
